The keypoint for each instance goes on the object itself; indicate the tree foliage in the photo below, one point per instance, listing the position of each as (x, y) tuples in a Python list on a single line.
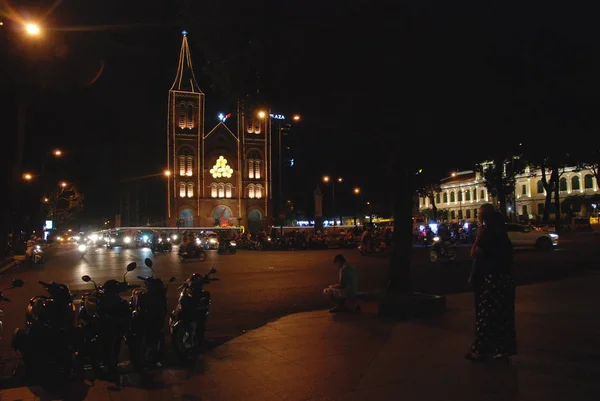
[(428, 185), (63, 203)]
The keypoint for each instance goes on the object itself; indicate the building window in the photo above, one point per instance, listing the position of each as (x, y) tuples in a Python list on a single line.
[(182, 115), (228, 190), (460, 215), (474, 194), (452, 197), (181, 165), (221, 190), (467, 195), (251, 169), (257, 169), (524, 189), (190, 190), (540, 187), (575, 184), (452, 214), (540, 208), (437, 198), (482, 194), (251, 191), (190, 116), (445, 197), (468, 212), (258, 191), (562, 184), (460, 196), (182, 189), (475, 212), (190, 162), (213, 190), (588, 181), (525, 211)]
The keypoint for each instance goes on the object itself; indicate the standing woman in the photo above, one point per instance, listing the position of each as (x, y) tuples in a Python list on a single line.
[(494, 287)]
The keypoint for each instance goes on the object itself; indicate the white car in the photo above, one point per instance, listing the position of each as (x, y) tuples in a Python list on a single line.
[(521, 235)]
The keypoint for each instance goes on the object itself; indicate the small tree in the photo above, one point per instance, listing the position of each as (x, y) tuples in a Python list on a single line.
[(428, 187), (591, 160), (499, 178), (63, 203)]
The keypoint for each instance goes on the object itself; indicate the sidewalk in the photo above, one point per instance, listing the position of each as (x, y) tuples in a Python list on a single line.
[(320, 357)]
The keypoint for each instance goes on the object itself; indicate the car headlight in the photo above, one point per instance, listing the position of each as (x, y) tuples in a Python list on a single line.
[(232, 243), (145, 238), (159, 240), (127, 240), (82, 248), (198, 241), (212, 241), (174, 237), (112, 240), (553, 236), (436, 239)]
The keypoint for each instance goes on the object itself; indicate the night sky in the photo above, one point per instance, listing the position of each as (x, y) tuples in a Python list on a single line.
[(433, 84)]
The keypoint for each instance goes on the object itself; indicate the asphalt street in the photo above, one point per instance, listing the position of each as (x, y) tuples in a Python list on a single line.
[(257, 287)]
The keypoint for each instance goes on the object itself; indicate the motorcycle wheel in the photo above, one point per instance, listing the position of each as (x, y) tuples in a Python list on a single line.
[(181, 338), (233, 251), (138, 352), (433, 256), (202, 256)]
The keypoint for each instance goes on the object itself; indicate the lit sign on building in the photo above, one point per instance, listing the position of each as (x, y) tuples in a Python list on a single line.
[(221, 169), (277, 116), (223, 117), (49, 225)]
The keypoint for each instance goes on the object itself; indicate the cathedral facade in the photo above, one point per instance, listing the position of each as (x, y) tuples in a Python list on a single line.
[(219, 176)]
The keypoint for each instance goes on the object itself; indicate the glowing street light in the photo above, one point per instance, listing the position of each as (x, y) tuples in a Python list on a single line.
[(356, 191), (32, 29), (326, 178), (57, 152), (262, 114), (27, 177), (167, 173), (63, 184), (453, 174), (46, 200), (296, 117)]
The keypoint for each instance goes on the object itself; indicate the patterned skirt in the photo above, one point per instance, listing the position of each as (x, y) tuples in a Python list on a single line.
[(495, 315)]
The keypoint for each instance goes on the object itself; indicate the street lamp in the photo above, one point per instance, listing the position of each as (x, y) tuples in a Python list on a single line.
[(27, 177), (57, 152), (167, 174), (262, 114), (327, 179), (460, 197), (63, 184), (32, 29), (358, 193)]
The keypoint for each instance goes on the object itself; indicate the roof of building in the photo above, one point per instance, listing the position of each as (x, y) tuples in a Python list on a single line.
[(185, 80)]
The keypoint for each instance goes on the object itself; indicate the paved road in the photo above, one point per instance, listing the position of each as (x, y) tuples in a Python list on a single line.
[(256, 287)]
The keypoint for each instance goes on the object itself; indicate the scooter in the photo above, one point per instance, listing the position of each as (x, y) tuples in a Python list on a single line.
[(161, 245), (227, 246), (146, 338), (36, 253), (442, 250), (187, 322), (45, 345), (16, 283), (198, 253)]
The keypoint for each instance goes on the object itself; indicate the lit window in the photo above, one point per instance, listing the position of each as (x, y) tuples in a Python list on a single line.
[(182, 189), (250, 168), (258, 191), (213, 190), (190, 190), (257, 169), (257, 127), (228, 190), (190, 116), (221, 188), (190, 161), (182, 165), (251, 191), (182, 115)]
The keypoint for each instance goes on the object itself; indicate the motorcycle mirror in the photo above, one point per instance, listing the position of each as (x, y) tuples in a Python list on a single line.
[(172, 279), (131, 267), (86, 278), (148, 262), (17, 283)]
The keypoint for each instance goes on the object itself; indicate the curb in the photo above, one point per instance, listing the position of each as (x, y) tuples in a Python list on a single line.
[(9, 266)]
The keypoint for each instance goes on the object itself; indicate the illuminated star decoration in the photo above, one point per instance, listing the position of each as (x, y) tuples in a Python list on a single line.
[(221, 169), (184, 32)]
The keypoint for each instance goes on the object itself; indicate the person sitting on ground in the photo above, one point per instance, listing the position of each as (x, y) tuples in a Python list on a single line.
[(343, 294)]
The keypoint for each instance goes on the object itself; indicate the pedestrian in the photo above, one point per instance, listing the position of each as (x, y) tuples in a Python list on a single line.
[(494, 289), (343, 294)]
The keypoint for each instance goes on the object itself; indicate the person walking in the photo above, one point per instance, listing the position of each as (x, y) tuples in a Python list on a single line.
[(494, 289)]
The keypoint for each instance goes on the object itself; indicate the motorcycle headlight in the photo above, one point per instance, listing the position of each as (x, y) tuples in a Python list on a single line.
[(160, 240), (82, 248), (112, 240), (145, 238), (232, 243), (198, 241), (212, 241), (436, 239), (39, 248), (127, 240)]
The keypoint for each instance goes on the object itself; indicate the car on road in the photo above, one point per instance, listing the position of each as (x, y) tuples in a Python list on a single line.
[(522, 235)]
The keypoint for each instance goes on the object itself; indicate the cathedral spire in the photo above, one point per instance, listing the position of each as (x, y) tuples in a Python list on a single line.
[(185, 80)]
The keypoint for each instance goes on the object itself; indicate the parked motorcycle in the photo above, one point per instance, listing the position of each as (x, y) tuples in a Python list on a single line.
[(227, 246), (161, 245), (146, 338), (377, 247), (187, 322), (45, 345), (442, 250), (16, 283), (196, 253), (104, 319)]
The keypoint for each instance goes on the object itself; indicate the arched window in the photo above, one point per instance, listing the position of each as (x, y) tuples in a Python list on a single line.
[(467, 195), (251, 191), (190, 116), (562, 184), (228, 190), (452, 197), (182, 165), (482, 194), (221, 189), (182, 189), (445, 197), (213, 190), (588, 181), (437, 198), (182, 115), (460, 196), (190, 190), (540, 187), (475, 194), (575, 184), (258, 191), (250, 168), (257, 169), (190, 162)]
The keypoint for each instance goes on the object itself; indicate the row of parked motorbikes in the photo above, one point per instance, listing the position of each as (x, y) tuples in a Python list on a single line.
[(58, 338)]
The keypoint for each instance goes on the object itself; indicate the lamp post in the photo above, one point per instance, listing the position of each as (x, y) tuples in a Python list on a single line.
[(167, 174), (460, 197), (358, 193), (327, 179)]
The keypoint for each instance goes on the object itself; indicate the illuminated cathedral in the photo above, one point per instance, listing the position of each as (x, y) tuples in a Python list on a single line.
[(220, 176)]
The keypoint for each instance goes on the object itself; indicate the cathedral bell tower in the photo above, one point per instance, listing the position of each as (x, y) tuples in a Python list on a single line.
[(185, 131)]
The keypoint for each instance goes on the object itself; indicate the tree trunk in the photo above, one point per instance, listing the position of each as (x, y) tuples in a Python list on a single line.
[(549, 187), (499, 170), (434, 210), (556, 197), (399, 270)]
